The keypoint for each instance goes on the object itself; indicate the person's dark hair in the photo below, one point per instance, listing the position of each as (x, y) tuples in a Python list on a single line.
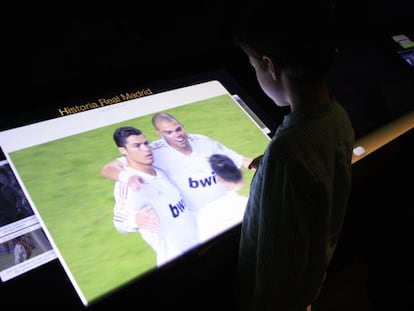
[(122, 133), (224, 167), (295, 34)]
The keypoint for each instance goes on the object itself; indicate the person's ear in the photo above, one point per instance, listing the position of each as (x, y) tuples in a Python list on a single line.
[(219, 179), (271, 67), (122, 150)]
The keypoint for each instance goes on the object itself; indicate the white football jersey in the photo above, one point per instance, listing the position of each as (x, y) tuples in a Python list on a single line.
[(220, 215), (192, 174), (177, 233)]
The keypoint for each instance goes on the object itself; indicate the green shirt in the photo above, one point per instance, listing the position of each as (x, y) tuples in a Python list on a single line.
[(297, 203)]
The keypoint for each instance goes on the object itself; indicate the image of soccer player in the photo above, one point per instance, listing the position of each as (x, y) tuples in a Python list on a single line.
[(175, 231), (22, 250), (184, 158), (226, 211)]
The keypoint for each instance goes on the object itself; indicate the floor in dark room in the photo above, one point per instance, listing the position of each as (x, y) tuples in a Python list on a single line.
[(373, 268), (346, 290)]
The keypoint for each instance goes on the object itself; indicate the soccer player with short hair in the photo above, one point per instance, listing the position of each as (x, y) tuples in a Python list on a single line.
[(175, 231), (184, 158), (226, 211)]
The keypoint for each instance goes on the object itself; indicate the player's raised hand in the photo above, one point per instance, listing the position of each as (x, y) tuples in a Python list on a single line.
[(146, 218)]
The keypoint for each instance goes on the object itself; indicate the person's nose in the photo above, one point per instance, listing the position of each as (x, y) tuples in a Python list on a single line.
[(146, 147)]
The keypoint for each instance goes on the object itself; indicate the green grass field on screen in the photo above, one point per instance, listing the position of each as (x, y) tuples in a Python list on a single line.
[(76, 203)]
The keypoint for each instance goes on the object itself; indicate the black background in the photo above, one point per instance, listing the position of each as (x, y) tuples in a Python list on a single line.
[(74, 50)]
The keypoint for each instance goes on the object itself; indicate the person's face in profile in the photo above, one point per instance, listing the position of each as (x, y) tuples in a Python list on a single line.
[(174, 133), (138, 150), (268, 75)]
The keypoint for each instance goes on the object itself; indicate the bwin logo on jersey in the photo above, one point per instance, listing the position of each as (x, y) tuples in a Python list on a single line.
[(206, 182), (177, 209)]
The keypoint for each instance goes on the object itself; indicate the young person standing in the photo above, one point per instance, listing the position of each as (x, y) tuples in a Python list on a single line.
[(299, 193)]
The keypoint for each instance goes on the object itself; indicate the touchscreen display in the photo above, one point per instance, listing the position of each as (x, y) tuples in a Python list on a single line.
[(57, 205)]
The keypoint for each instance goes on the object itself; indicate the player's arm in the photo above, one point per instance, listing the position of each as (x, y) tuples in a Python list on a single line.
[(221, 148), (112, 170), (115, 171)]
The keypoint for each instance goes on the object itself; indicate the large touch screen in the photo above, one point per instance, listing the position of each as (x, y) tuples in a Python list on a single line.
[(66, 208)]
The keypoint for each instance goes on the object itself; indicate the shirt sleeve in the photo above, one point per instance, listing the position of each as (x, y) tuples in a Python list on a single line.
[(222, 149), (124, 215)]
